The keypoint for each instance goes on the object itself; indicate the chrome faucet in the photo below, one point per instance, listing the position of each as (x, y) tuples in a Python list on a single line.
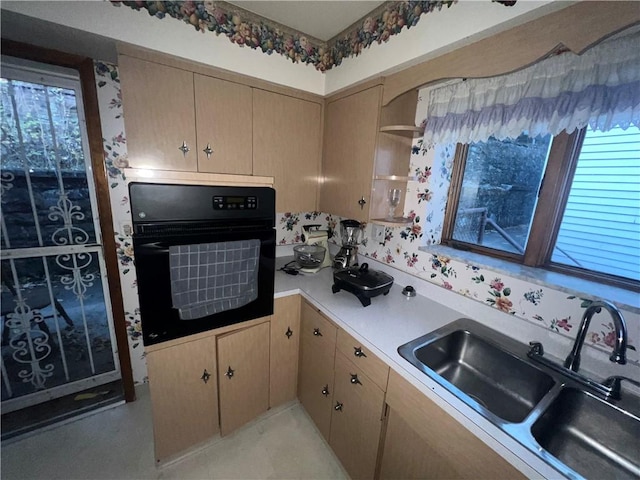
[(619, 349)]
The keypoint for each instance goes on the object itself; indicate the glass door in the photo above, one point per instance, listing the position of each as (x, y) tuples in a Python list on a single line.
[(57, 326)]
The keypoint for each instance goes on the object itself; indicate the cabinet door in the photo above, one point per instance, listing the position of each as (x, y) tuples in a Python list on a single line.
[(285, 341), (184, 397), (351, 126), (356, 421), (315, 377), (286, 145), (223, 123), (426, 442), (243, 376), (159, 115)]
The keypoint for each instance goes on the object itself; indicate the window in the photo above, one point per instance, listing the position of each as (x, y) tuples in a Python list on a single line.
[(569, 203)]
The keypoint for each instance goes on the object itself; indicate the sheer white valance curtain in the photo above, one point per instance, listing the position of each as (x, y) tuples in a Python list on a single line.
[(600, 88)]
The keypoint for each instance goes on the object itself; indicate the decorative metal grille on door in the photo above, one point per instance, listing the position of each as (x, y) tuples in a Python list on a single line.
[(57, 328)]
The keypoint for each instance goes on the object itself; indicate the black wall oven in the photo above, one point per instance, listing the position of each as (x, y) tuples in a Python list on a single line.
[(204, 256)]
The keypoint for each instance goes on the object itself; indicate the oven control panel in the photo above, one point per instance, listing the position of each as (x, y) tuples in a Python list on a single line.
[(229, 202)]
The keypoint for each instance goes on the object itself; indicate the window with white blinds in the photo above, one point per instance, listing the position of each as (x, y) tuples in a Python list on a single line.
[(600, 228)]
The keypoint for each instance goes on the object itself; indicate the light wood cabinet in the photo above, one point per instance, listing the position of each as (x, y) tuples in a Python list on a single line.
[(159, 115), (356, 422), (183, 387), (178, 120), (223, 126), (317, 355), (351, 127), (243, 376), (285, 341), (423, 441), (286, 145)]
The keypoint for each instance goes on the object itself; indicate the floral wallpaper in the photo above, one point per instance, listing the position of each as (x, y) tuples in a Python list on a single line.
[(244, 28), (115, 158)]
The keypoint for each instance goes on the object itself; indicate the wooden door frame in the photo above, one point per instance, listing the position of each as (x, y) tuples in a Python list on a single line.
[(85, 68)]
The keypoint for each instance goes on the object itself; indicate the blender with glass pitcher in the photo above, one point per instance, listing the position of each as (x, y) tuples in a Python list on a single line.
[(351, 232)]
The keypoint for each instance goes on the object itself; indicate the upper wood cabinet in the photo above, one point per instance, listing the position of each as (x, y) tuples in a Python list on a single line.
[(159, 115), (178, 120), (286, 145), (351, 127), (223, 126)]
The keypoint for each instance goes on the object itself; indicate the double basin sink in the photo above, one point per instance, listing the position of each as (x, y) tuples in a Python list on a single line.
[(570, 427)]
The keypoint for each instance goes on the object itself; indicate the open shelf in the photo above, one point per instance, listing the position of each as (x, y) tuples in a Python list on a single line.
[(410, 131), (393, 222), (396, 178)]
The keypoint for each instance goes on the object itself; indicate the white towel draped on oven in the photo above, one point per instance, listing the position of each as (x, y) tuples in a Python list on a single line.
[(210, 278)]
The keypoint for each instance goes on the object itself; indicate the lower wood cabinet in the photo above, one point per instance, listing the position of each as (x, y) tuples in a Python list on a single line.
[(184, 396), (423, 441), (249, 367), (356, 422), (243, 376), (285, 343), (317, 354), (335, 389)]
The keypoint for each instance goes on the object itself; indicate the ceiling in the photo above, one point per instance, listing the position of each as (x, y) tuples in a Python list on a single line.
[(319, 19)]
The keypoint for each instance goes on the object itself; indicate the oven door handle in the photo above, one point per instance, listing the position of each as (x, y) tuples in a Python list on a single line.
[(155, 248)]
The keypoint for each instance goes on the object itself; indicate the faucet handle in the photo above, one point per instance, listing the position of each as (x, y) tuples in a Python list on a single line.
[(536, 348), (614, 384)]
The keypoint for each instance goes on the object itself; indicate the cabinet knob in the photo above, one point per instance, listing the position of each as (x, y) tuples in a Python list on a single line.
[(208, 150), (362, 202), (288, 333), (229, 373), (184, 148), (316, 332), (325, 390), (205, 376), (338, 407), (354, 379), (358, 352)]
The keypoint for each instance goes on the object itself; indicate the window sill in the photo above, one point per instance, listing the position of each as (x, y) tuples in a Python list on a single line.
[(624, 299)]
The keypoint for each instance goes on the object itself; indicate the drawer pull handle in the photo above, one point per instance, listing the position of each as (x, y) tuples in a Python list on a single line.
[(229, 373), (338, 407), (325, 391), (354, 379), (316, 332), (205, 376), (184, 148), (358, 352), (288, 333), (362, 202)]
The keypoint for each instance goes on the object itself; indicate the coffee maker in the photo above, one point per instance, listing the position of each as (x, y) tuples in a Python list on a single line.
[(351, 232), (312, 235)]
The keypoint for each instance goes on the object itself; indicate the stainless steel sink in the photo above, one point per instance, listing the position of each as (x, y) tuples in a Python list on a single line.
[(593, 437), (480, 364), (566, 423)]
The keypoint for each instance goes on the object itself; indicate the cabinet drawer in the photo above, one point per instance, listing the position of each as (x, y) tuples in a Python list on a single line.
[(372, 366), (317, 330)]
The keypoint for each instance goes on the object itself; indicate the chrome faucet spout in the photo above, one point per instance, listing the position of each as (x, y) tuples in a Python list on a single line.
[(619, 349)]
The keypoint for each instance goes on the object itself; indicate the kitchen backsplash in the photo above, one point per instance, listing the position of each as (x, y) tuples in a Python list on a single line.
[(557, 311)]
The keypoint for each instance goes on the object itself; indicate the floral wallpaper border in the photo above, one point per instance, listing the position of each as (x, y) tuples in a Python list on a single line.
[(245, 28)]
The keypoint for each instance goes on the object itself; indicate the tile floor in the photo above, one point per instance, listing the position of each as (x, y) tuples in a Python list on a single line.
[(117, 444)]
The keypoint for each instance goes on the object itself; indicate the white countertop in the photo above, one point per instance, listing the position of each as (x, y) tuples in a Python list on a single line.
[(393, 320)]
